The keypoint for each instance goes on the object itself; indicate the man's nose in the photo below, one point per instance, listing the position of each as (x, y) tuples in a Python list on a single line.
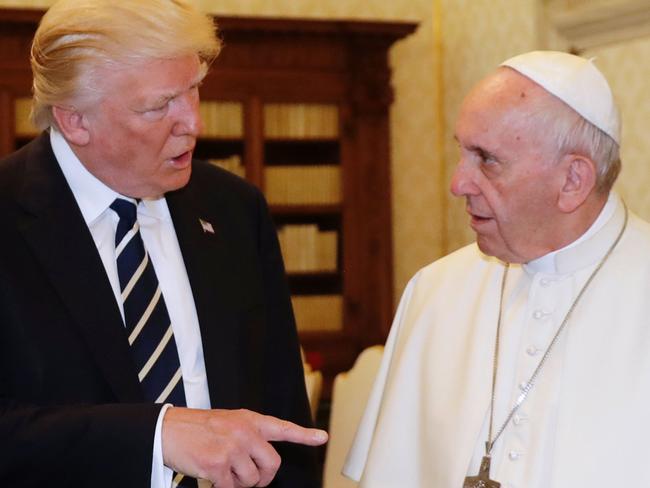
[(189, 118), (463, 180)]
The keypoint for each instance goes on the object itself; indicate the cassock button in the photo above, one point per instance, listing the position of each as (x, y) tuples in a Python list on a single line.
[(513, 455), (518, 419), (531, 350)]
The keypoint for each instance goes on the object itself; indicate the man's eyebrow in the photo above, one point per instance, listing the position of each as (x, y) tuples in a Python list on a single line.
[(165, 97), (484, 153)]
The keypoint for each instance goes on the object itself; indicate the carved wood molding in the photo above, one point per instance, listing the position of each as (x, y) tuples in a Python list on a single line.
[(598, 24)]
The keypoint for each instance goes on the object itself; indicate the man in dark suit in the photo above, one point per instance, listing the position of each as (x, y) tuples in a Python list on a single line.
[(116, 85)]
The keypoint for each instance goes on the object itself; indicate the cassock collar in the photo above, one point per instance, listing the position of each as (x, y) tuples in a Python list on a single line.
[(589, 248)]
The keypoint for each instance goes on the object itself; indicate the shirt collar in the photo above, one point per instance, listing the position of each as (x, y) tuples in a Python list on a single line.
[(588, 248), (92, 195)]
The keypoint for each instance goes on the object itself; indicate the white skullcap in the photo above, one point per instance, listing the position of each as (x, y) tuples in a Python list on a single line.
[(575, 81)]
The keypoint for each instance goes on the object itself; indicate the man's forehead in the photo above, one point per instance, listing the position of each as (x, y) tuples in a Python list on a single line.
[(507, 83), (502, 92), (157, 78)]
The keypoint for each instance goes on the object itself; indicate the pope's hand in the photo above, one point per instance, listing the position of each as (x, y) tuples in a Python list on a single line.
[(229, 447)]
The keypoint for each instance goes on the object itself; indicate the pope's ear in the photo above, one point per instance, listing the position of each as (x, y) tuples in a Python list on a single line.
[(580, 177), (72, 125)]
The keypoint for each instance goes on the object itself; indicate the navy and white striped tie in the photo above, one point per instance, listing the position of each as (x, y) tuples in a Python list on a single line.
[(145, 315), (146, 319)]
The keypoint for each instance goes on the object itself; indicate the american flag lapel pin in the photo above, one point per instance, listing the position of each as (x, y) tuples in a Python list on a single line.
[(206, 226)]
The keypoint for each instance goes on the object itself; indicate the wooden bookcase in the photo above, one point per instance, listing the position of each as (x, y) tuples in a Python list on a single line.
[(327, 176)]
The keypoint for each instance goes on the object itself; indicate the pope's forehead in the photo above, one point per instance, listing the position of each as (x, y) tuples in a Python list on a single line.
[(506, 85), (506, 106)]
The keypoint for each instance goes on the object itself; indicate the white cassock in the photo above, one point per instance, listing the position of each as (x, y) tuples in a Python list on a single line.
[(586, 422)]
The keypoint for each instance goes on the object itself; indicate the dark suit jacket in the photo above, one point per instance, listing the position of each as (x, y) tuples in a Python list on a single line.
[(71, 409)]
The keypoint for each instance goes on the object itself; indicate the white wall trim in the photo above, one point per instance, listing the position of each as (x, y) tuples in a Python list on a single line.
[(595, 25)]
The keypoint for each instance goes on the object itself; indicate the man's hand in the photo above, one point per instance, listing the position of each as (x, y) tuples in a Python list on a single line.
[(229, 447)]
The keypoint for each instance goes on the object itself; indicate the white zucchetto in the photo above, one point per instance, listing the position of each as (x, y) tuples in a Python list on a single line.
[(577, 82)]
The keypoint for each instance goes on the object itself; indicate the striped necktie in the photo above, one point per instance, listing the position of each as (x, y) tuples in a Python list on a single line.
[(146, 319), (145, 315)]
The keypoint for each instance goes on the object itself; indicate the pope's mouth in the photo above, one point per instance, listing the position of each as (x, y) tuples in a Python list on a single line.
[(479, 220)]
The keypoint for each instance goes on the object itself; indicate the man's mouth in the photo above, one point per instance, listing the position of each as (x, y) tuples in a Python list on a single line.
[(183, 159), (478, 219)]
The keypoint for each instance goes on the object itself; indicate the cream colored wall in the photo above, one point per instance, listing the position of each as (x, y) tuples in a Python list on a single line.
[(627, 68)]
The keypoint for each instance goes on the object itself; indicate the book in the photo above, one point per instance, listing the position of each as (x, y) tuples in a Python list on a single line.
[(222, 119), (306, 249), (301, 121), (23, 126), (318, 312), (303, 185), (232, 163)]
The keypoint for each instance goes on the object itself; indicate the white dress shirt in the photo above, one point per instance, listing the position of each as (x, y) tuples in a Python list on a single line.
[(159, 237)]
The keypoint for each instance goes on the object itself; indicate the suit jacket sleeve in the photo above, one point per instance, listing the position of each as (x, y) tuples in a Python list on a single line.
[(99, 446)]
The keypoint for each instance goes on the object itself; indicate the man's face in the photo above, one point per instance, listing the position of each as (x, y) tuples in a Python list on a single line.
[(143, 131), (507, 170)]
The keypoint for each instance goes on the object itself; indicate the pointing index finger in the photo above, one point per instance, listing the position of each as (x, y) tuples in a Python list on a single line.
[(274, 429)]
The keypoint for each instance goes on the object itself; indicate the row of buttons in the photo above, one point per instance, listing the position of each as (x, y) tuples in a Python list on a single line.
[(518, 419)]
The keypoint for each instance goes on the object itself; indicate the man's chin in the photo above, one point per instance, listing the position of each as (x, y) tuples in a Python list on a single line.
[(492, 249), (179, 178)]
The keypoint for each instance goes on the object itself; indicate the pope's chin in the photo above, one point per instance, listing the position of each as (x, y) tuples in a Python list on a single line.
[(487, 246)]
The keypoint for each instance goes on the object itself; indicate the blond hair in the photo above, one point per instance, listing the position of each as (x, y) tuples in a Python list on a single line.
[(78, 37)]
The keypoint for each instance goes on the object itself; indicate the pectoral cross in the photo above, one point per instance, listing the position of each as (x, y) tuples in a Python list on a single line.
[(483, 479)]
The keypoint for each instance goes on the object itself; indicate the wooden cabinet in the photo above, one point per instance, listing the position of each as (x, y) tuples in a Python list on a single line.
[(301, 109)]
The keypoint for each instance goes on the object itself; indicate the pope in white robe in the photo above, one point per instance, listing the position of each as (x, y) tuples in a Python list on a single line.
[(575, 306)]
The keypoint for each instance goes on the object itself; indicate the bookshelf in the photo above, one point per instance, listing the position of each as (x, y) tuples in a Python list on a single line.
[(301, 109)]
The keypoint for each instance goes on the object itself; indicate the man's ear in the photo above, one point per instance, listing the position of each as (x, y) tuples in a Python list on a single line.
[(72, 125), (580, 177)]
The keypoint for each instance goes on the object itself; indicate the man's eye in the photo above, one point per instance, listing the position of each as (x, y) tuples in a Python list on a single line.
[(160, 108), (487, 157)]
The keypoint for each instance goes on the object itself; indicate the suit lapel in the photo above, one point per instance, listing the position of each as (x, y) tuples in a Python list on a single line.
[(210, 272), (57, 234)]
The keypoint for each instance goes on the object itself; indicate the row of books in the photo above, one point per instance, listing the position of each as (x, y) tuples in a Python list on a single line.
[(301, 120), (318, 312), (222, 119), (307, 249), (23, 126), (293, 185), (303, 185), (232, 163)]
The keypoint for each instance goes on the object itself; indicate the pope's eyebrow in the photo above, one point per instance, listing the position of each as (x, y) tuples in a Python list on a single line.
[(483, 153)]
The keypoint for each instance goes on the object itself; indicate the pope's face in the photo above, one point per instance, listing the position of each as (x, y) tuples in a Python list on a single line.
[(143, 131), (507, 170)]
